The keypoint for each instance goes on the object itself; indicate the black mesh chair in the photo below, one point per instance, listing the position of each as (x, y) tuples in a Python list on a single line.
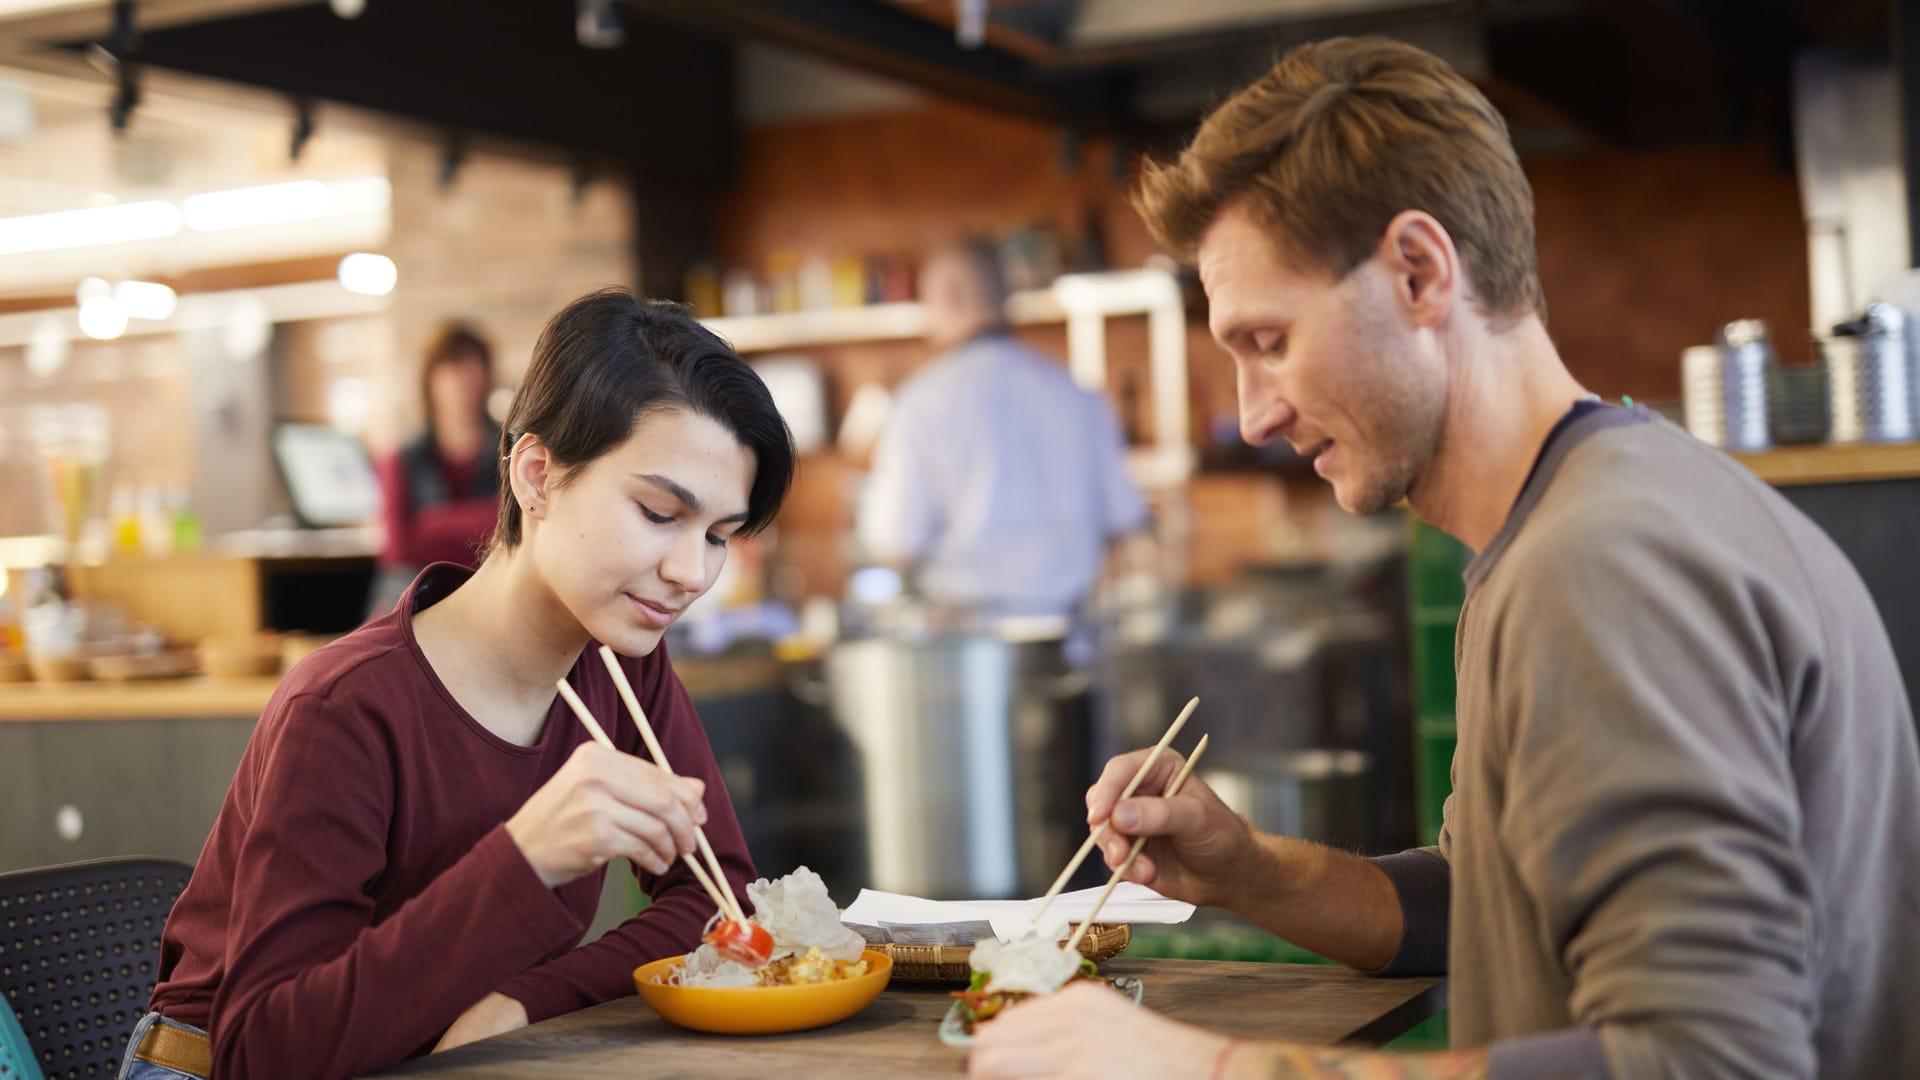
[(79, 948)]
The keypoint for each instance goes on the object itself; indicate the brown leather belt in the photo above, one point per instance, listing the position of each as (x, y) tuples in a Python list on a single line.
[(176, 1048)]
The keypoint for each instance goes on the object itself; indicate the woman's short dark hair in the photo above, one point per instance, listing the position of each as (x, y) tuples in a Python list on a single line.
[(609, 359)]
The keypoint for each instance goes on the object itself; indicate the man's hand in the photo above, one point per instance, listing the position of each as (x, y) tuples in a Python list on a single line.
[(1198, 849), (1088, 1030)]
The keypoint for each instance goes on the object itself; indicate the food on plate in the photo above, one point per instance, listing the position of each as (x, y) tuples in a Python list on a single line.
[(745, 943), (805, 942), (1009, 972)]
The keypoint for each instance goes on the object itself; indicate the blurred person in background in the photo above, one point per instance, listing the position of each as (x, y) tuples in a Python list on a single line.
[(440, 493), (999, 484)]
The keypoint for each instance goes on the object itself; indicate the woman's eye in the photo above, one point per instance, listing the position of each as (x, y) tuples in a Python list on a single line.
[(657, 519), (717, 541)]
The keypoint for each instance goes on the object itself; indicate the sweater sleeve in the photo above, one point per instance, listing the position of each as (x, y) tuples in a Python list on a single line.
[(672, 923), (314, 987), (1423, 881), (1651, 811)]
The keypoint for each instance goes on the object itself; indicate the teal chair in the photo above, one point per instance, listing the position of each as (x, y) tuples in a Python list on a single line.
[(16, 1057)]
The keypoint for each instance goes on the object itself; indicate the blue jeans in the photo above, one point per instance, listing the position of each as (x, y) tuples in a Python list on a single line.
[(132, 1069)]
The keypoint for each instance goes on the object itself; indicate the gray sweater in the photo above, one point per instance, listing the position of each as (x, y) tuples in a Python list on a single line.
[(1685, 832)]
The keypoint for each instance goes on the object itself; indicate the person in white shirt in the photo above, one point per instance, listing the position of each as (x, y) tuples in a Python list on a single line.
[(999, 483)]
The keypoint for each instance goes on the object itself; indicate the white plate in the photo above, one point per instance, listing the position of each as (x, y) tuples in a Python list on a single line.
[(953, 1026)]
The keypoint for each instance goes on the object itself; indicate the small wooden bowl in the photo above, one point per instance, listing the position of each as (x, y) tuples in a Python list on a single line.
[(59, 668), (239, 658)]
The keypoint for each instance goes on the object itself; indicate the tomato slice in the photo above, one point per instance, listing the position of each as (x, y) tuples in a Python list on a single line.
[(741, 942)]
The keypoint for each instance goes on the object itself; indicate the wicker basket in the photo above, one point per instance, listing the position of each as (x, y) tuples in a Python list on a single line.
[(948, 963)]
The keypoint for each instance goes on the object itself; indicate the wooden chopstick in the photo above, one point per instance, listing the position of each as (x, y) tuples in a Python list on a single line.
[(1099, 834), (608, 657), (600, 736), (1119, 872)]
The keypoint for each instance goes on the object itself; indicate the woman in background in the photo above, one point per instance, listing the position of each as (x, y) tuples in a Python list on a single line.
[(440, 492)]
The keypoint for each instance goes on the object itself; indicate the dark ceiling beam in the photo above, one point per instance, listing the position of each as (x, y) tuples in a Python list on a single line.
[(1639, 72), (1279, 33), (660, 106), (883, 40), (1906, 62)]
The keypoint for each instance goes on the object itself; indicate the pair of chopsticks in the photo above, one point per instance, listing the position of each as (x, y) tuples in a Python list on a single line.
[(1106, 826), (1120, 871), (722, 893)]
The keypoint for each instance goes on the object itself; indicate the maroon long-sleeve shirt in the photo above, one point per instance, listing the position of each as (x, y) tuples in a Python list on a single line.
[(359, 889)]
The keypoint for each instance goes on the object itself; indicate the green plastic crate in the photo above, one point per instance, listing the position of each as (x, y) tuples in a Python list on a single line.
[(1434, 738), (1436, 589), (1438, 564), (1432, 645)]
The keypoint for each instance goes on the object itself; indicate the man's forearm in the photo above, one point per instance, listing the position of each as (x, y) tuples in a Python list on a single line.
[(1284, 1061), (1329, 901)]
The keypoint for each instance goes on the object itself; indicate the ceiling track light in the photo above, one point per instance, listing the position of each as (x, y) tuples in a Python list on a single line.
[(302, 127), (116, 55), (597, 25), (452, 159)]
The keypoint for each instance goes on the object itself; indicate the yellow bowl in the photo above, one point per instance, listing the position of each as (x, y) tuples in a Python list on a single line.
[(760, 1010)]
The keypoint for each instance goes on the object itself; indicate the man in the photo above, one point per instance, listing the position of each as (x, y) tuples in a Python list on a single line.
[(999, 483), (1682, 840)]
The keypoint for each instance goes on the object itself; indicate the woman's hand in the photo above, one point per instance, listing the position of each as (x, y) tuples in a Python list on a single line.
[(602, 804), (495, 1014)]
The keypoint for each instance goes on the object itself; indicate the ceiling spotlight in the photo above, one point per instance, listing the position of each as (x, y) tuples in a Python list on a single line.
[(126, 98), (122, 39), (302, 127), (451, 159), (114, 54), (970, 30), (368, 274), (597, 25), (146, 299), (348, 9), (91, 288), (102, 318)]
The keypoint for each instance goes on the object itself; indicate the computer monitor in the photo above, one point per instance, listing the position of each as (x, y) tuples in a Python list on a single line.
[(327, 475)]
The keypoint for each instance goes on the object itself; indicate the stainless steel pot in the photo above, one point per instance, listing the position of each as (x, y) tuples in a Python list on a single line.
[(974, 759)]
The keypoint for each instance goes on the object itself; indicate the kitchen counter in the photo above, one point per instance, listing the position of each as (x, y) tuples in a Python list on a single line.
[(1834, 464), (205, 698)]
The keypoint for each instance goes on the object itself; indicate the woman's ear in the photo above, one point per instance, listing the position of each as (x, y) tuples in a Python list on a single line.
[(530, 469)]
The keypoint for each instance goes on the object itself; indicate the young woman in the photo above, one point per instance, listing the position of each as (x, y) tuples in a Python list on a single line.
[(416, 836)]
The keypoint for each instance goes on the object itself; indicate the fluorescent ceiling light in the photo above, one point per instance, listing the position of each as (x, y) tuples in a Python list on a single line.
[(280, 204), (152, 219)]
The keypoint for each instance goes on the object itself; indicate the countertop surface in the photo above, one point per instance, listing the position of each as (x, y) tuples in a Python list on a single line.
[(201, 697)]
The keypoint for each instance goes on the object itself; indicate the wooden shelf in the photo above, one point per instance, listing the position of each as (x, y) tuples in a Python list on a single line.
[(1830, 464), (875, 322)]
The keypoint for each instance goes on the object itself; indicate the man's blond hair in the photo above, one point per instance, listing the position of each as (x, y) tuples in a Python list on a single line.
[(1339, 138)]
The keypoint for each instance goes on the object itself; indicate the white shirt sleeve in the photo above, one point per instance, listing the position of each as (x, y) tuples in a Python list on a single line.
[(898, 516)]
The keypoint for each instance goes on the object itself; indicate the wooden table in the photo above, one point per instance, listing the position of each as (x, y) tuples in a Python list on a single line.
[(896, 1035)]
